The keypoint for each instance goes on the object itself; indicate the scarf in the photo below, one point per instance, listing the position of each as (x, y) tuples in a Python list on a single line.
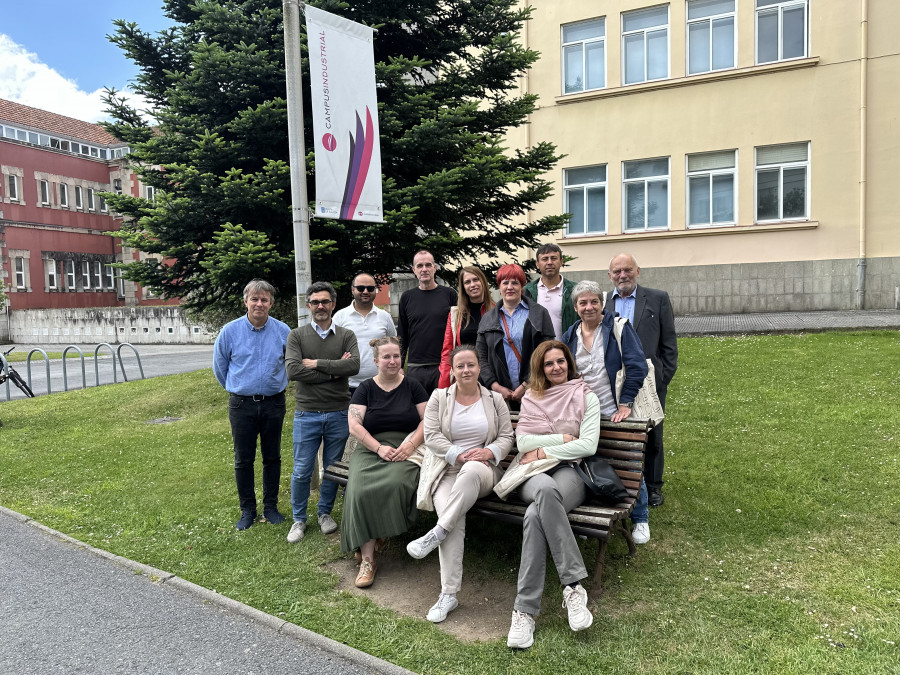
[(559, 411)]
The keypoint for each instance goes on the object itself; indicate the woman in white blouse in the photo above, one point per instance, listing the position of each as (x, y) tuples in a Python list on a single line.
[(467, 433)]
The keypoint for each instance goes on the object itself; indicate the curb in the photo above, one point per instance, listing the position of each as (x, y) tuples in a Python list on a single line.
[(320, 642)]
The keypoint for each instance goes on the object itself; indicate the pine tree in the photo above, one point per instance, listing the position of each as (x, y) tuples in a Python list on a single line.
[(447, 73)]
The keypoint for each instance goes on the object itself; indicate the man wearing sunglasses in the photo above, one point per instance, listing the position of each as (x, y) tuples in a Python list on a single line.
[(320, 357), (367, 322)]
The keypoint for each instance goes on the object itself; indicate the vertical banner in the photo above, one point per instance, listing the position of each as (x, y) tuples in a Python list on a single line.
[(345, 118)]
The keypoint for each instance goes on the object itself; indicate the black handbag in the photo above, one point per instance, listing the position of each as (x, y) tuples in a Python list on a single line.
[(603, 483)]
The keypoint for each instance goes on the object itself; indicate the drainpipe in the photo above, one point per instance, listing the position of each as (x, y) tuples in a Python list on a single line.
[(863, 154)]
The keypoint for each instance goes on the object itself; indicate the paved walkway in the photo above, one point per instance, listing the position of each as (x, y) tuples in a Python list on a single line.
[(66, 607), (786, 322)]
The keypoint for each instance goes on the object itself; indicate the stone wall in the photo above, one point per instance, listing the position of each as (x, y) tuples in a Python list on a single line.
[(138, 325)]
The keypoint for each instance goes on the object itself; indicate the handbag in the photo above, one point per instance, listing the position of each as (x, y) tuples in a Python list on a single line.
[(646, 403), (601, 479)]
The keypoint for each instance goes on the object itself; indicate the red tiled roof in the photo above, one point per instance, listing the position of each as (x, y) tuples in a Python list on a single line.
[(16, 113)]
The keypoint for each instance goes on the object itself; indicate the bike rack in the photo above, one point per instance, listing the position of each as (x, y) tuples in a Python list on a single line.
[(97, 366), (6, 372), (84, 383), (46, 365), (122, 364)]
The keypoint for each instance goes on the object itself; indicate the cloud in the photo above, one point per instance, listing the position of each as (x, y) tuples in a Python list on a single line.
[(24, 79)]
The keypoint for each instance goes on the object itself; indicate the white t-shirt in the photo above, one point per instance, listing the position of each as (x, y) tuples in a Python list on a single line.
[(592, 366), (377, 323)]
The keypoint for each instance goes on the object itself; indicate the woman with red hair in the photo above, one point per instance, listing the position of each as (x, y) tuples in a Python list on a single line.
[(508, 335)]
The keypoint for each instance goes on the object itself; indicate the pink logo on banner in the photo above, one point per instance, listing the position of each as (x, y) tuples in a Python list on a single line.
[(329, 142)]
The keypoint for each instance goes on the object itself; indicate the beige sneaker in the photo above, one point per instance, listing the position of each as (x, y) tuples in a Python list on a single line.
[(298, 529), (366, 576)]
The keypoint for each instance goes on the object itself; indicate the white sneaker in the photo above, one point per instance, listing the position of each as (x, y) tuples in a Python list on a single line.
[(327, 524), (575, 599), (419, 548), (298, 529), (641, 533), (521, 632), (440, 610)]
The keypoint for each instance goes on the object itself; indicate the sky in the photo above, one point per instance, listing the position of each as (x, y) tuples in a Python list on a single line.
[(54, 54)]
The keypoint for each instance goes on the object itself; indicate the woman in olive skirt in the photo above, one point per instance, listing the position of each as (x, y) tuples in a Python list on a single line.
[(385, 416)]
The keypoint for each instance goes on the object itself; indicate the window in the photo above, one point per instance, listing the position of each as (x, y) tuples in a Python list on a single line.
[(103, 208), (85, 274), (645, 45), (21, 273), (90, 199), (781, 30), (78, 201), (63, 195), (782, 182), (120, 284), (13, 190), (110, 276), (50, 273), (45, 192), (117, 186), (711, 44), (646, 188), (711, 193), (150, 193), (98, 275), (70, 275), (585, 197), (584, 55)]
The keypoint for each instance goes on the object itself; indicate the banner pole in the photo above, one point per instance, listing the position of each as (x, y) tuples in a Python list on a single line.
[(297, 154)]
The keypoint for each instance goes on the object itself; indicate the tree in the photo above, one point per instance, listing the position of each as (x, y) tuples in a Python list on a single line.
[(447, 73)]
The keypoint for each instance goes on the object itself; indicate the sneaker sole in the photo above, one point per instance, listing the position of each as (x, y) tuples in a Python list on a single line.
[(581, 628), (512, 646), (443, 618)]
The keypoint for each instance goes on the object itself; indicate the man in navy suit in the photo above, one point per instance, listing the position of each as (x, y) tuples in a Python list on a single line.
[(650, 312)]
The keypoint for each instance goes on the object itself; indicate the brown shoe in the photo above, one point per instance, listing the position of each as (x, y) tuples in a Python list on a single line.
[(366, 575)]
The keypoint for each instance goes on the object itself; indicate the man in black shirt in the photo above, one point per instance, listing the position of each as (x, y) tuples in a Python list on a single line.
[(423, 320)]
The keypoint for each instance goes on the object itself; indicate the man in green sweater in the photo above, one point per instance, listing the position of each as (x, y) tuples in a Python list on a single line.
[(319, 358), (551, 291)]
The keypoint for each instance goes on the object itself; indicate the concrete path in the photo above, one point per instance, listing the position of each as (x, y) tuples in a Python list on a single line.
[(66, 607), (786, 322)]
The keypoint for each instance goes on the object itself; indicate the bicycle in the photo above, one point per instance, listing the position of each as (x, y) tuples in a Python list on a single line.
[(15, 377)]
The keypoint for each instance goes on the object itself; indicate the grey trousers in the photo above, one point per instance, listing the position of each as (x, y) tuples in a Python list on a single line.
[(550, 498), (458, 489)]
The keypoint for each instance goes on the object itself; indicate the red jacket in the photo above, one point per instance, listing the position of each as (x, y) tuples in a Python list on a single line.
[(451, 340)]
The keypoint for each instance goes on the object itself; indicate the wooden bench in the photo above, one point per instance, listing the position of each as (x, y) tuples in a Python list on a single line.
[(622, 444)]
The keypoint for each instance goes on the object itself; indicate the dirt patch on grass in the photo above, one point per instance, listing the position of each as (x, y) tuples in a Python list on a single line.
[(410, 587)]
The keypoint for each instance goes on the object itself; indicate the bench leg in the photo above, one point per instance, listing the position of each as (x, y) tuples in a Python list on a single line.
[(632, 549), (597, 586)]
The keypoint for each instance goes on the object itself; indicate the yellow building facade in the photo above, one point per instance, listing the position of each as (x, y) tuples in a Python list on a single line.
[(744, 151)]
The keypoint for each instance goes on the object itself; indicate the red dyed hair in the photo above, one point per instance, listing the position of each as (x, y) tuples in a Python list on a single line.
[(512, 271)]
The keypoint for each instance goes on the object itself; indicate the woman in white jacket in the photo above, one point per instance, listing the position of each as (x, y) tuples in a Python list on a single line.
[(467, 433), (559, 424)]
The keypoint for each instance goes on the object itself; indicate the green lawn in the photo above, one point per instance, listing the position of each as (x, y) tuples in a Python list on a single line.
[(776, 550)]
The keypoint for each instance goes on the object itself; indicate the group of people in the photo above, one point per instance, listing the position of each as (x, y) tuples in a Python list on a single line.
[(432, 436)]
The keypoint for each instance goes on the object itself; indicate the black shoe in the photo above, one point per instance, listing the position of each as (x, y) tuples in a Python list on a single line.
[(247, 518), (272, 516), (655, 497)]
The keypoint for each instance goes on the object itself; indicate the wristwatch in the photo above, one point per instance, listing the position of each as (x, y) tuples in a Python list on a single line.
[(629, 405)]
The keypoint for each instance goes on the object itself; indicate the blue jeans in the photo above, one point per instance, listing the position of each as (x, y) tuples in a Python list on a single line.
[(641, 511), (311, 429)]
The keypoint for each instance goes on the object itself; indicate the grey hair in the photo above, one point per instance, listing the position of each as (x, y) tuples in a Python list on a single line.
[(257, 285), (319, 286), (586, 286)]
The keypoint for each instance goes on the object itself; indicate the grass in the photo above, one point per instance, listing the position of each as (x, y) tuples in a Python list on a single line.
[(776, 550), (37, 357)]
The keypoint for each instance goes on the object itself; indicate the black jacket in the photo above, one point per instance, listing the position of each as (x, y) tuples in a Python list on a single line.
[(654, 322), (491, 336)]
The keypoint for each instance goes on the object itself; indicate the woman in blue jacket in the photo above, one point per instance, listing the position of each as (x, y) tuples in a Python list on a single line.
[(599, 360)]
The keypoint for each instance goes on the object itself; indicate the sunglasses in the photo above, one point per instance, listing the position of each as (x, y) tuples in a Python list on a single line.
[(318, 303), (363, 289)]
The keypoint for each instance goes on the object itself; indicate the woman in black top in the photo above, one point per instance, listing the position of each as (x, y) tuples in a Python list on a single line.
[(386, 418)]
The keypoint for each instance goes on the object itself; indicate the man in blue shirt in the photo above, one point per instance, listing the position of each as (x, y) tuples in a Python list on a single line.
[(248, 360)]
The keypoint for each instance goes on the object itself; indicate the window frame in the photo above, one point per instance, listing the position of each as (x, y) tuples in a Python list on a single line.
[(86, 274), (150, 193), (646, 180), (91, 204), (781, 166), (779, 6), (98, 275), (44, 191), (20, 271), (732, 171), (79, 198), (643, 31), (590, 41), (12, 189), (51, 272), (709, 19), (64, 195), (70, 275), (109, 276), (584, 188)]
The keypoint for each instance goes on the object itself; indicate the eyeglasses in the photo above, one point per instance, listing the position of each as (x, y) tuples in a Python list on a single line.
[(363, 289), (318, 303)]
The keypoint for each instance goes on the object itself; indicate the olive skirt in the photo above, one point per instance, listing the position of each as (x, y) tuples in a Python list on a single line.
[(381, 496)]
